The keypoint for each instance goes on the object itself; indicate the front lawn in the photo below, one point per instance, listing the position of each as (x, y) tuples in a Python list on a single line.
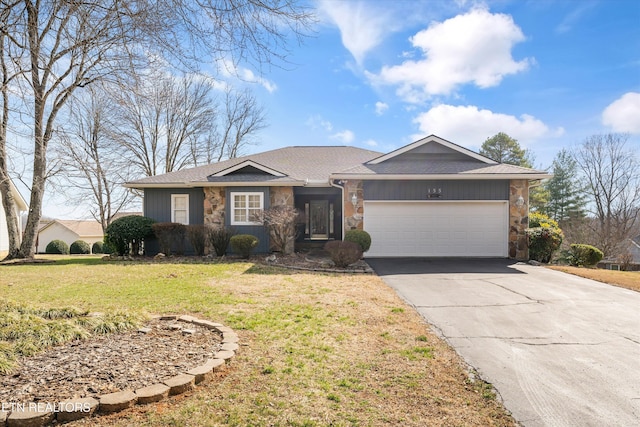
[(624, 279), (317, 349)]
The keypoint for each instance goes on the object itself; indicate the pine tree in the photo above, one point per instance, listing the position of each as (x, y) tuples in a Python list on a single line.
[(566, 194)]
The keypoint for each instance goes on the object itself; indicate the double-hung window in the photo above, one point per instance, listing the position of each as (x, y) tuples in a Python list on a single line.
[(180, 208), (245, 208)]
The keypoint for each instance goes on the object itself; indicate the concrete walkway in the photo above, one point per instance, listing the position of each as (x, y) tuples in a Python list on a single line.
[(559, 349)]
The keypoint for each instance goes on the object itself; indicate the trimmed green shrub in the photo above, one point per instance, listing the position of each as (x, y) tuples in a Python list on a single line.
[(343, 253), (80, 247), (57, 247), (360, 237), (220, 237), (125, 235), (544, 237), (97, 248), (584, 255), (170, 235), (197, 235), (243, 244)]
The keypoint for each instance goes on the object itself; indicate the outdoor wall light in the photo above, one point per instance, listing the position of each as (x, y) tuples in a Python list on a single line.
[(520, 202), (354, 200)]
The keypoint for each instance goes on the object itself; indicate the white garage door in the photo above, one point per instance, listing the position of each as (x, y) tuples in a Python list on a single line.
[(434, 228)]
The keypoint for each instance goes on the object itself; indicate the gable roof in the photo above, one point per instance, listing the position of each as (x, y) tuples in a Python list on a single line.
[(21, 203), (435, 158), (429, 158), (79, 227), (428, 140), (295, 166)]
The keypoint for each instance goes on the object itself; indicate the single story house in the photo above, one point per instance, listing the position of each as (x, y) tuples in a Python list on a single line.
[(631, 251), (430, 198), (69, 231), (21, 206)]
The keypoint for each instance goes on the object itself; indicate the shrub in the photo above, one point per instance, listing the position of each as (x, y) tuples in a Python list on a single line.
[(343, 253), (80, 247), (543, 242), (97, 248), (197, 235), (125, 235), (170, 235), (584, 255), (544, 237), (57, 247), (243, 244), (219, 237), (360, 237)]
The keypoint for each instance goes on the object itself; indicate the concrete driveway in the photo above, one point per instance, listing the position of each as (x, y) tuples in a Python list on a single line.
[(559, 349)]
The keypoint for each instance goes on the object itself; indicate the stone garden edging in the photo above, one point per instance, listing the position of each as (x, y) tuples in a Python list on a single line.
[(37, 414)]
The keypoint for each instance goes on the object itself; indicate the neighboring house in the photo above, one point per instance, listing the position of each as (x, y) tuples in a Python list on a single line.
[(69, 231), (429, 198), (630, 248), (21, 206)]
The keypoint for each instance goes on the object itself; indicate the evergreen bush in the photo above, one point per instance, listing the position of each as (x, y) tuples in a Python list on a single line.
[(57, 247), (80, 247), (544, 237), (360, 237), (125, 235), (170, 236), (584, 255), (243, 244), (97, 248)]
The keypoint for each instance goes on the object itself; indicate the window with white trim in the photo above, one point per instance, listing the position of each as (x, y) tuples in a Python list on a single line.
[(180, 208), (245, 207)]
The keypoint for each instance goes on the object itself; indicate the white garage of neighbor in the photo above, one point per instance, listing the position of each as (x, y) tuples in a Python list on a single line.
[(437, 228)]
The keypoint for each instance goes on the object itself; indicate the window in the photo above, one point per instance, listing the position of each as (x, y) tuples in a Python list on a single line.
[(180, 208), (244, 207)]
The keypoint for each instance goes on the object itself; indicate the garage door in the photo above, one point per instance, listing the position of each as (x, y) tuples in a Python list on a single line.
[(467, 229)]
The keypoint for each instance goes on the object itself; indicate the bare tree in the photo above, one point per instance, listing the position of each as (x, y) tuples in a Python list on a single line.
[(612, 175), (161, 118), (58, 47), (243, 117), (93, 169)]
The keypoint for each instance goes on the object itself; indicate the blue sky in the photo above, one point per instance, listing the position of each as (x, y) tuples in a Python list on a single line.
[(379, 74)]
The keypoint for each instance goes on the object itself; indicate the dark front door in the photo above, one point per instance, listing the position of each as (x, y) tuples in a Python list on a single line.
[(319, 219)]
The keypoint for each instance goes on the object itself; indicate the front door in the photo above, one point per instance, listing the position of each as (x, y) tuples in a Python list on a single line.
[(319, 219)]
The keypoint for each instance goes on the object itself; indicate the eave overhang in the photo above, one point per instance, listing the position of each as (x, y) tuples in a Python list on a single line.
[(431, 177)]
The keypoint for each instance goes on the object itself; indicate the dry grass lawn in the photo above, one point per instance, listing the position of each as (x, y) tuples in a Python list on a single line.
[(317, 349), (624, 279)]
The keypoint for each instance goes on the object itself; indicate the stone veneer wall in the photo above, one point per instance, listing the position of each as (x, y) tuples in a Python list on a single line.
[(353, 216), (518, 219), (214, 203), (283, 196)]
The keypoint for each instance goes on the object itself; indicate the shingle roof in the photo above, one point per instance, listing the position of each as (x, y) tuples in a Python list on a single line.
[(79, 227), (421, 167), (297, 163)]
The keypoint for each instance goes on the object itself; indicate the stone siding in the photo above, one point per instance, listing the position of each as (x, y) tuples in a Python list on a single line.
[(214, 205), (353, 216), (518, 219)]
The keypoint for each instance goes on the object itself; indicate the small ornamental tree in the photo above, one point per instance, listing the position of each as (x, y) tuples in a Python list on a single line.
[(281, 222), (125, 235)]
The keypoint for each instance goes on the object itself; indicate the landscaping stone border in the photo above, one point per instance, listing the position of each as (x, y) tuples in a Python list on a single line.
[(39, 414)]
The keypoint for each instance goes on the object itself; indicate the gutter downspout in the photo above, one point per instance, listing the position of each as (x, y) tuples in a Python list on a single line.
[(334, 184)]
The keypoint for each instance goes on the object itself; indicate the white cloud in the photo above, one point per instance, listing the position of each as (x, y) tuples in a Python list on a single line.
[(470, 126), (371, 143), (470, 48), (362, 26), (318, 122), (381, 108), (230, 70), (345, 137), (623, 115)]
